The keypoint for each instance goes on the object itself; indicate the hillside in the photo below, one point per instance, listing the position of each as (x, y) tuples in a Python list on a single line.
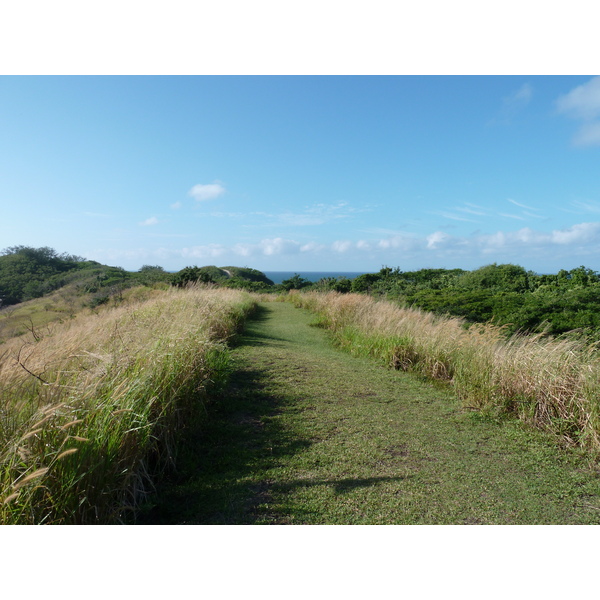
[(567, 302), (224, 274), (27, 273), (91, 409)]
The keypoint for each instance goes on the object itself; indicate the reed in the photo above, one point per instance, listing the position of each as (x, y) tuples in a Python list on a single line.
[(551, 383), (90, 411)]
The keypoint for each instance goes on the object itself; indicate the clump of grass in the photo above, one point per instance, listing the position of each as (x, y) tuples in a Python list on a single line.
[(89, 413), (552, 383)]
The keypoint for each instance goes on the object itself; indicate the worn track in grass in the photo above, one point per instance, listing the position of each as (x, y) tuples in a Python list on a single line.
[(306, 434)]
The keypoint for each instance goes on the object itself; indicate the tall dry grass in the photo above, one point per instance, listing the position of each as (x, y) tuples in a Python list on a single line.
[(551, 383), (89, 411)]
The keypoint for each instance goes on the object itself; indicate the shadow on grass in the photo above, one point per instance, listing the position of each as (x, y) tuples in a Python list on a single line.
[(340, 486), (252, 334), (218, 477)]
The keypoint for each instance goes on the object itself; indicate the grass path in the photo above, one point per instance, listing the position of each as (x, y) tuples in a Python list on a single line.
[(306, 434)]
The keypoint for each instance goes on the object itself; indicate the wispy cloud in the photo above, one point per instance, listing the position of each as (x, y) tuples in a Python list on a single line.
[(589, 206), (583, 104), (314, 215), (453, 216), (149, 222), (472, 210), (534, 215), (203, 192), (588, 135), (528, 212), (521, 205), (509, 216), (512, 104)]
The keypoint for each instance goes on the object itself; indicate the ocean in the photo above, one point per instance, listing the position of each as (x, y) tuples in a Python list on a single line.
[(279, 276)]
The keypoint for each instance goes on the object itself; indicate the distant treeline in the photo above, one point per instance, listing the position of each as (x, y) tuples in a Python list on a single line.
[(506, 294)]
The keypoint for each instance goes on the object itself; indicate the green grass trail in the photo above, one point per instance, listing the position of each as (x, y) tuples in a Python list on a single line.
[(307, 434)]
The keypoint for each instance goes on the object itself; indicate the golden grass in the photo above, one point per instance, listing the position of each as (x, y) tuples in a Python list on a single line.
[(90, 408), (551, 383)]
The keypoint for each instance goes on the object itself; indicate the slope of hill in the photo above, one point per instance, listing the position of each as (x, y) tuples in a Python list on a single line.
[(27, 273)]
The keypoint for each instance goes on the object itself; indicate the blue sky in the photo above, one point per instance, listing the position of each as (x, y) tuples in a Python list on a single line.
[(345, 173)]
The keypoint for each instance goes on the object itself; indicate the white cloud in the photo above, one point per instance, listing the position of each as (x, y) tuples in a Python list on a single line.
[(243, 249), (312, 247), (588, 135), (437, 238), (278, 246), (149, 222), (201, 192), (541, 250), (176, 205), (267, 247), (583, 233), (580, 239), (341, 246), (583, 103), (208, 251), (402, 241), (526, 239)]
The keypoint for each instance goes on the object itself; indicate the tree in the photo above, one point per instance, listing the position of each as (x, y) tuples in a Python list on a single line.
[(149, 274), (25, 271), (507, 278), (295, 283), (190, 275)]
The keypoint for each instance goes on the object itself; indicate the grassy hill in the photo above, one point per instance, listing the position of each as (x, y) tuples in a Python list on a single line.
[(27, 273), (91, 408)]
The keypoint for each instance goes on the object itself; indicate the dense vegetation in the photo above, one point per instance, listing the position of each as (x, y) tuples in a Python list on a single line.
[(233, 277), (27, 273), (505, 294), (91, 409), (548, 382)]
